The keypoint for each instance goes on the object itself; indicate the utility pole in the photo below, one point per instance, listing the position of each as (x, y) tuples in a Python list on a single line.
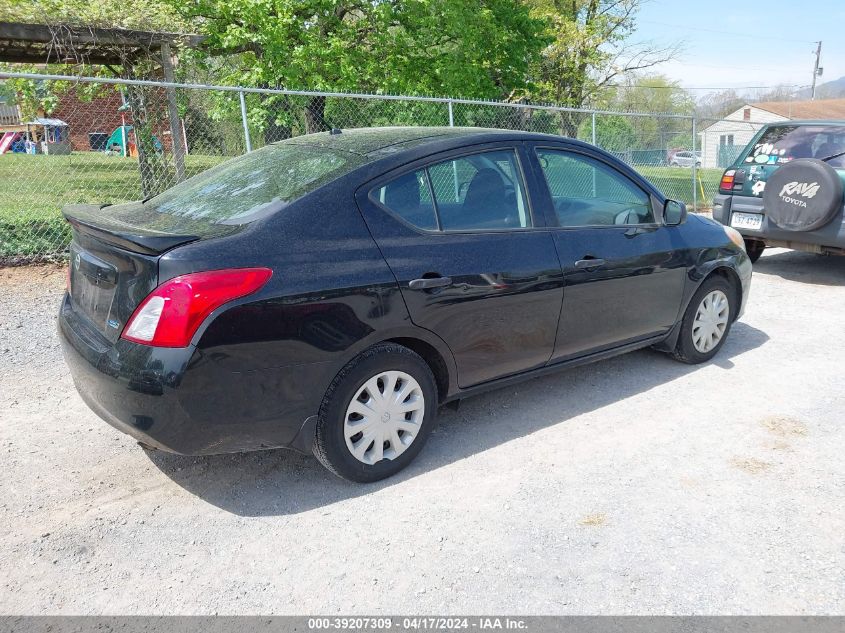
[(816, 68)]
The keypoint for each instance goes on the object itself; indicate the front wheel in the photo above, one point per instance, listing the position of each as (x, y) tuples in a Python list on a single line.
[(377, 414), (707, 322)]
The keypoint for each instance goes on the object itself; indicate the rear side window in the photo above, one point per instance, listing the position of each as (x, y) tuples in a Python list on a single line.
[(587, 192), (782, 143), (483, 191), (409, 197)]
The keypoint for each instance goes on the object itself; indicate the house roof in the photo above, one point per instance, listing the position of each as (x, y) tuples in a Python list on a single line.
[(818, 109)]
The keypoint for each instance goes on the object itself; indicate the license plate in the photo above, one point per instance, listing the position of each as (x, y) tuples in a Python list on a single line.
[(752, 221)]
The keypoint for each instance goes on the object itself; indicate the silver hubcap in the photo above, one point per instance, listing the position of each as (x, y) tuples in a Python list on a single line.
[(384, 417), (711, 320)]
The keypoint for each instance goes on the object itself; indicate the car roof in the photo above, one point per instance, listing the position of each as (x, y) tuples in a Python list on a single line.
[(385, 147), (376, 141)]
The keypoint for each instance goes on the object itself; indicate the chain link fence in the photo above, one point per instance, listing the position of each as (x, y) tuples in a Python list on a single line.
[(112, 141)]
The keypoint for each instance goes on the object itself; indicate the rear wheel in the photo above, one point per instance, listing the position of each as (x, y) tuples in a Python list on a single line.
[(754, 248), (707, 322), (376, 414)]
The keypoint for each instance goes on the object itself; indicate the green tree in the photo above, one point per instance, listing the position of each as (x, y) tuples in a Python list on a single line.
[(590, 49), (614, 132), (146, 15), (659, 95), (478, 48)]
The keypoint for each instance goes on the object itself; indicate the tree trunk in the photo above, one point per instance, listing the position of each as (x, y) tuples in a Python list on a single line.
[(274, 131), (154, 172), (315, 115), (569, 122)]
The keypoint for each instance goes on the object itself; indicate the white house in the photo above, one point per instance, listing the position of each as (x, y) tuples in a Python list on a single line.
[(721, 142)]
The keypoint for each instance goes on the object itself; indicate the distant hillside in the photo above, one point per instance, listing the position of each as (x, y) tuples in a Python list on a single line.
[(828, 90)]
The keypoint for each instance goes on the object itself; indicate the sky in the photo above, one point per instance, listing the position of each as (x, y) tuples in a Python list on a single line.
[(740, 44)]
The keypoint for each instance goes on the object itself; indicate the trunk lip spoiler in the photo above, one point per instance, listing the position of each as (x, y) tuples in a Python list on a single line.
[(135, 239)]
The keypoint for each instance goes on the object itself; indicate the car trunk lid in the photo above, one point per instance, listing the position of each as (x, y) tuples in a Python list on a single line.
[(113, 266)]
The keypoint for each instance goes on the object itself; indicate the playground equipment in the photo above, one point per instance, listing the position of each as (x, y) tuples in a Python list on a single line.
[(7, 141), (123, 142), (41, 135), (49, 135)]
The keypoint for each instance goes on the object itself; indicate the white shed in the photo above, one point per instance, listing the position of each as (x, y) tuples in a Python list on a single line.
[(722, 141)]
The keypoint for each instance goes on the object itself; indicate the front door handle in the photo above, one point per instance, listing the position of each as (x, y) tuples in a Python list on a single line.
[(428, 283), (589, 263)]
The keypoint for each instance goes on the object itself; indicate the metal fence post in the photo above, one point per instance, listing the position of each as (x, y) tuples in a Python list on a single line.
[(594, 128), (173, 114), (694, 169), (451, 114), (246, 124)]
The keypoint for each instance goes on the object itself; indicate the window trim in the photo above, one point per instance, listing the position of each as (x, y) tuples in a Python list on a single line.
[(456, 154), (656, 223)]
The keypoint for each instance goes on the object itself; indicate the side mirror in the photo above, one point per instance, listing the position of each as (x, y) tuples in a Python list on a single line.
[(674, 213)]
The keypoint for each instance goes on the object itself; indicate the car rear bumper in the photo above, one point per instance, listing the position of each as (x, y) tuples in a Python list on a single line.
[(831, 235), (181, 400)]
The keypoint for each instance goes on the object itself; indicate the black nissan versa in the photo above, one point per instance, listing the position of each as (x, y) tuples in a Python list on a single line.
[(329, 292)]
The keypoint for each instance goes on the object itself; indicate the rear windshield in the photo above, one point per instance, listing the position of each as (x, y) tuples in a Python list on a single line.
[(251, 186), (783, 143)]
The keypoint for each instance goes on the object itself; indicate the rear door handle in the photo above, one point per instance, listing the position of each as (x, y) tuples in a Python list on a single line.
[(430, 282), (589, 263)]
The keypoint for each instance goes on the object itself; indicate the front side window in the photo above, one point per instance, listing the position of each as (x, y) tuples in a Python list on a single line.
[(477, 192), (587, 192)]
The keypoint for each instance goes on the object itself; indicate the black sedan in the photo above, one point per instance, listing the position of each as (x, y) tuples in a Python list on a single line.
[(328, 293)]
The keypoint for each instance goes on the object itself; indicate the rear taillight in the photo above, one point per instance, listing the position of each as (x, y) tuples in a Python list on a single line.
[(727, 183), (172, 313)]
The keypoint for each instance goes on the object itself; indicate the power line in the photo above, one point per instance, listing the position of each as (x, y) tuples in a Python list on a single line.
[(710, 87)]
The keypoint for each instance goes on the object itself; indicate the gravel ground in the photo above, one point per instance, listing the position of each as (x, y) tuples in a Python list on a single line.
[(636, 485)]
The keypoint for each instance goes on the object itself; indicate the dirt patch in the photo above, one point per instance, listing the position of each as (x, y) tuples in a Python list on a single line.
[(750, 464), (594, 520), (784, 426), (17, 276)]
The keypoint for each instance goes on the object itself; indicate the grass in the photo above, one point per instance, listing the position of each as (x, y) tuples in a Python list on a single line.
[(34, 188), (676, 183)]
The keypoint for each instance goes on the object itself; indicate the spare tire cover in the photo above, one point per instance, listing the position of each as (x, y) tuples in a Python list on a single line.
[(803, 195)]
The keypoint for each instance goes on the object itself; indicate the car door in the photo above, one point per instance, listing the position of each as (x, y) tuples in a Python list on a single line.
[(473, 263), (624, 270)]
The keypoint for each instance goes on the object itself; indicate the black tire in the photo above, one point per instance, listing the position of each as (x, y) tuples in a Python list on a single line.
[(330, 446), (685, 349), (803, 195), (754, 249)]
